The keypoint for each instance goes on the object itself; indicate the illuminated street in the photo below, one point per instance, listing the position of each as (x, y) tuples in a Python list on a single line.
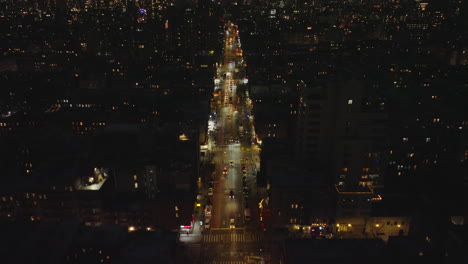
[(231, 236)]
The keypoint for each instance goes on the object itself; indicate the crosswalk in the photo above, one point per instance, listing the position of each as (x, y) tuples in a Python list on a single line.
[(232, 237), (225, 262)]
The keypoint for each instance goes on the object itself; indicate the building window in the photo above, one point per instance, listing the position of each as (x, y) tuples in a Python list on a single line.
[(350, 101)]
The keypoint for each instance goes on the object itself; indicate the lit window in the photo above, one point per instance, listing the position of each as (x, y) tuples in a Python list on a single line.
[(350, 101), (136, 185), (428, 140)]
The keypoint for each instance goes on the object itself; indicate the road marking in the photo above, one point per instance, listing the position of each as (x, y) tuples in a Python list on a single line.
[(225, 262)]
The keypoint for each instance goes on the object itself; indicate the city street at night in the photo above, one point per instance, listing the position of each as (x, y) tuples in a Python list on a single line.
[(233, 132), (231, 237)]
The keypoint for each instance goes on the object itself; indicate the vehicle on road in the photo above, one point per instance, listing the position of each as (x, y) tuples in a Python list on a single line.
[(232, 224), (210, 191), (208, 210), (246, 192), (241, 129), (231, 194), (247, 214), (207, 223)]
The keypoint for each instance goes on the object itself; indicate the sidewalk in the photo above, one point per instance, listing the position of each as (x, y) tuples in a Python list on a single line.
[(195, 237)]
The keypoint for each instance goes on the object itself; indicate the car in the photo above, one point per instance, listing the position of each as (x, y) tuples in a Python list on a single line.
[(229, 116), (231, 163), (231, 194), (244, 177), (244, 184), (232, 224), (208, 209), (210, 191), (225, 171)]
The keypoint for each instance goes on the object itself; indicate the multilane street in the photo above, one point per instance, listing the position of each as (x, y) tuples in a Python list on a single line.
[(233, 236), (234, 155), (227, 229)]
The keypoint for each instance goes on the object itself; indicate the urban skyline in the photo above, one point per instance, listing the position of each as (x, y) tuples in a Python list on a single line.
[(250, 131)]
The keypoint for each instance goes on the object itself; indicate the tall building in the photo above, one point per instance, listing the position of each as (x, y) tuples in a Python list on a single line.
[(340, 128)]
